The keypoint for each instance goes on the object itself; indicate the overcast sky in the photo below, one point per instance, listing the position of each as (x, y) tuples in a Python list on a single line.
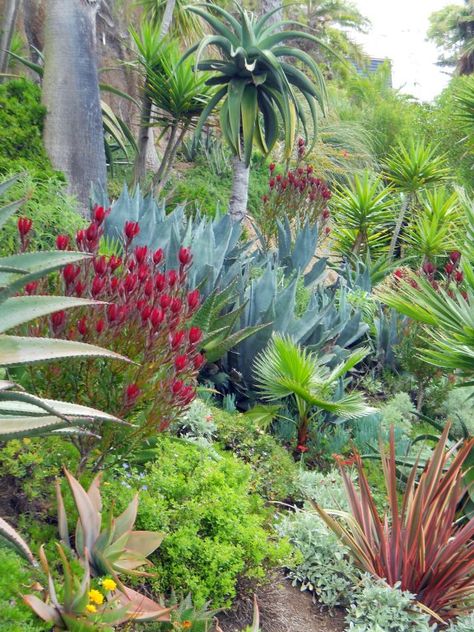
[(398, 32)]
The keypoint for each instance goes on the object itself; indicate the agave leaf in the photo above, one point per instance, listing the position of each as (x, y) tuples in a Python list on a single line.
[(10, 534), (141, 608), (62, 517), (20, 350), (7, 211), (124, 523), (16, 427)]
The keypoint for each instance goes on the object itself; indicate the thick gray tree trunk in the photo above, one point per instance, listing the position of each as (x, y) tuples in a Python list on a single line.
[(270, 5), (73, 132), (240, 190), (8, 28)]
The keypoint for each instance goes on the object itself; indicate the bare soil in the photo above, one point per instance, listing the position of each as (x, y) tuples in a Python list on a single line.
[(283, 608)]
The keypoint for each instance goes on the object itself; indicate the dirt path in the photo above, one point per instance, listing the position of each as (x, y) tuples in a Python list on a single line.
[(283, 608)]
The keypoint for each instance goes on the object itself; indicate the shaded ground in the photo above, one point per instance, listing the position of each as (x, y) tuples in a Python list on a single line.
[(283, 608)]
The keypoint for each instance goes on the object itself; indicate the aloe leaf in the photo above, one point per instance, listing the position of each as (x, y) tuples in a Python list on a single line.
[(20, 350), (18, 310), (10, 534)]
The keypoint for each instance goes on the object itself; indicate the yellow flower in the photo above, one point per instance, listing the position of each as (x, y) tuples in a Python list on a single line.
[(186, 625), (109, 584), (96, 596), (91, 608)]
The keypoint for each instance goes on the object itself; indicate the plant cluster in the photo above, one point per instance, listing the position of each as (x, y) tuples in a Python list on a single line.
[(147, 318)]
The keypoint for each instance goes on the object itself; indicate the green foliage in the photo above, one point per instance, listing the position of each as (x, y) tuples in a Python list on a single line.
[(324, 566), (416, 165), (273, 470), (21, 127), (214, 528), (15, 578), (462, 624), (398, 412), (380, 607), (458, 409)]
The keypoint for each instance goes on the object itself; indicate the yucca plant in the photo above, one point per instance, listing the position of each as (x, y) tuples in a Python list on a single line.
[(437, 226), (22, 414), (257, 85), (175, 93), (364, 210), (111, 548), (419, 543), (409, 169), (286, 370)]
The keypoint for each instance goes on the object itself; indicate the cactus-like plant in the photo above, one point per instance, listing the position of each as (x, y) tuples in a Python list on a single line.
[(110, 548), (23, 414)]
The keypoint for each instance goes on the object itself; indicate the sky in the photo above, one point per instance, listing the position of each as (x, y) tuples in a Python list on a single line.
[(398, 31)]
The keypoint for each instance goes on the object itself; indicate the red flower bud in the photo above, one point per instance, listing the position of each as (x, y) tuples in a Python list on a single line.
[(180, 362), (194, 335), (146, 312), (141, 253), (176, 305), (176, 339), (271, 183), (132, 392), (114, 283), (464, 295), (309, 169), (327, 230), (187, 395), (185, 256), (114, 263), (414, 284), (455, 256), (156, 317), (70, 273), (82, 326), (301, 142), (160, 282), (148, 288), (80, 237), (165, 301), (272, 167), (58, 319), (171, 277), (143, 272), (62, 242), (99, 213), (177, 386), (131, 230), (326, 214), (193, 299), (199, 360), (428, 268), (131, 265), (100, 265), (158, 256), (92, 233), (130, 283), (24, 226), (265, 199), (458, 276), (398, 274), (449, 267), (302, 448), (100, 326), (79, 288), (30, 288), (112, 312), (98, 284)]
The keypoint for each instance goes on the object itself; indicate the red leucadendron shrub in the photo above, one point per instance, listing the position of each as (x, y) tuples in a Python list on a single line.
[(146, 316)]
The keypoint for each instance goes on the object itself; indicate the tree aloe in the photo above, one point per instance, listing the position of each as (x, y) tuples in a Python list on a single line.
[(257, 86)]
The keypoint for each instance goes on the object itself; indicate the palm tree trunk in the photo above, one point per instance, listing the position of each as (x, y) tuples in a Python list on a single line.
[(270, 5), (8, 28), (167, 18), (240, 190), (73, 132), (170, 160), (398, 226)]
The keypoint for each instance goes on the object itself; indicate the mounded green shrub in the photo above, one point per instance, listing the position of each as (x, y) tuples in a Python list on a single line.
[(216, 530)]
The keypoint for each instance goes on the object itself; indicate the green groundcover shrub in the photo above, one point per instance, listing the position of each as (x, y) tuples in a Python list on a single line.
[(215, 529), (16, 577)]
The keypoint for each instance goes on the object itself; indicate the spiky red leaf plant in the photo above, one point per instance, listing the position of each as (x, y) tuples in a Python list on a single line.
[(420, 544)]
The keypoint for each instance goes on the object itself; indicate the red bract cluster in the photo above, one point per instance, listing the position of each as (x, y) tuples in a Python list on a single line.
[(447, 279), (296, 194), (146, 317)]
